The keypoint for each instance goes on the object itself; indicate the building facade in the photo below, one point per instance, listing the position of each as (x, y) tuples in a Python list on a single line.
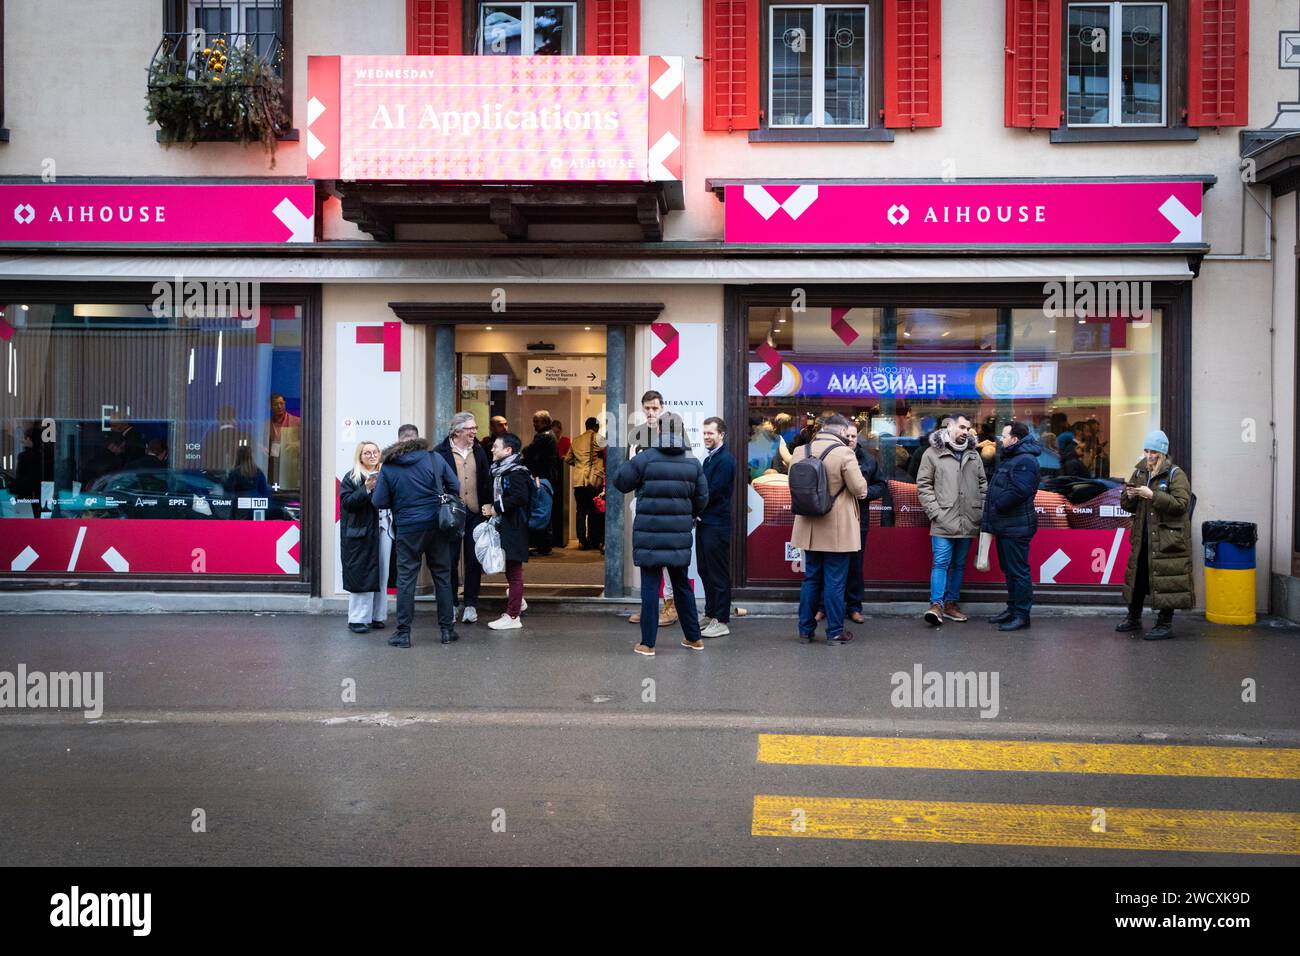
[(1081, 215)]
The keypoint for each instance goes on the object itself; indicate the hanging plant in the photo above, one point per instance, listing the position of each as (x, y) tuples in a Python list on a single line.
[(223, 91)]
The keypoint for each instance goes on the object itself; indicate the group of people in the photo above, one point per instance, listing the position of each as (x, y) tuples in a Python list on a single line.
[(961, 502), (684, 504)]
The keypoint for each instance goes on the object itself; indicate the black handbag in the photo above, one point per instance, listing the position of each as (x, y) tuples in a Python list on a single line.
[(451, 510)]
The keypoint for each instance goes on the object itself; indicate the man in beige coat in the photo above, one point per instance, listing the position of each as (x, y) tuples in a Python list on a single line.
[(829, 541), (951, 486)]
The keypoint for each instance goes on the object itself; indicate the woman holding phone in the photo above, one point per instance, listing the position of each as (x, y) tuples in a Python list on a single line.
[(1160, 541), (365, 537)]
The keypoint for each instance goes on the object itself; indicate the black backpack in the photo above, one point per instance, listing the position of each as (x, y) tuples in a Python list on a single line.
[(810, 484)]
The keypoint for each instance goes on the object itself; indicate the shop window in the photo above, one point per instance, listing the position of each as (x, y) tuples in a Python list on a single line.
[(1116, 64), (1089, 389), (153, 441), (527, 29)]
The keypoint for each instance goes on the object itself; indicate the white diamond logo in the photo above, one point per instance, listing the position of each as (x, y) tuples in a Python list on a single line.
[(24, 213), (897, 214)]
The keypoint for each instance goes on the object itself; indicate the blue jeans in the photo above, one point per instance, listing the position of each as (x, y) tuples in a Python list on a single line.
[(948, 568), (824, 577), (1013, 555)]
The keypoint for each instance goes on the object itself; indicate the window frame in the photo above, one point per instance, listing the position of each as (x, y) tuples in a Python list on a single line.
[(1176, 67), (176, 19), (819, 64), (873, 131), (4, 130), (472, 10), (1114, 65)]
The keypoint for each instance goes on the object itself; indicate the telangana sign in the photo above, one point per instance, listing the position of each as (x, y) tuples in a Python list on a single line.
[(961, 379), (149, 212), (997, 214), (476, 118)]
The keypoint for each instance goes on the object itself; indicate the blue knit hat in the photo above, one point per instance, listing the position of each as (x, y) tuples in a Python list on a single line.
[(1156, 441)]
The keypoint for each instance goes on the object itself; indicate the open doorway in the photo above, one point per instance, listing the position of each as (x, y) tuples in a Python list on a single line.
[(529, 375)]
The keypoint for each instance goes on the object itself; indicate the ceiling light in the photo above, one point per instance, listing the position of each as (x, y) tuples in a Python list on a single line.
[(1083, 321), (487, 328), (25, 308), (586, 328), (946, 334)]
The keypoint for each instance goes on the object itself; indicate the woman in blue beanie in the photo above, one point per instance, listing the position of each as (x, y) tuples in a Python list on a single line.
[(1160, 541)]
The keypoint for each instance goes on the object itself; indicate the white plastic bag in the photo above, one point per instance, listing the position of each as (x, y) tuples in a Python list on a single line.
[(982, 555), (487, 547)]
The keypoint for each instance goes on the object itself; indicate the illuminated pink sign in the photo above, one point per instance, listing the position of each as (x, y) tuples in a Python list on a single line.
[(493, 118), (145, 212), (1001, 214)]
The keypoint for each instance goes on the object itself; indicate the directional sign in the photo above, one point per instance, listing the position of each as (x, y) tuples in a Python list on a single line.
[(552, 372)]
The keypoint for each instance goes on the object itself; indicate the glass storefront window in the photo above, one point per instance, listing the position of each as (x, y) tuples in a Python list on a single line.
[(116, 411), (1088, 389)]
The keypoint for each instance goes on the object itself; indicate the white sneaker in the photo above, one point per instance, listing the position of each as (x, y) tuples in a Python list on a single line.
[(470, 615), (505, 623), (523, 605), (706, 623), (716, 629)]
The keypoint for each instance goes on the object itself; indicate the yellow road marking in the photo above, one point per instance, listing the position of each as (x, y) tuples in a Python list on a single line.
[(1126, 828), (1031, 756)]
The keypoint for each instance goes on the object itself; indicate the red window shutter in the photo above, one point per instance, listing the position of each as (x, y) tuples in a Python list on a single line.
[(731, 64), (1033, 64), (613, 28), (433, 27), (1218, 50), (912, 68)]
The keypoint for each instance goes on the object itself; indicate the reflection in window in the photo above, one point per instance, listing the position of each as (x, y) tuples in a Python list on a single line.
[(1088, 389), (141, 411), (539, 29)]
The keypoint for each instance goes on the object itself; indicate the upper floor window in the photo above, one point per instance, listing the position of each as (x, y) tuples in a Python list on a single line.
[(1117, 68), (817, 66), (527, 29), (257, 23)]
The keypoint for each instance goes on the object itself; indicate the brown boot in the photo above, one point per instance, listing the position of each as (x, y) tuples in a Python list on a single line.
[(934, 615), (668, 615), (635, 618), (952, 611)]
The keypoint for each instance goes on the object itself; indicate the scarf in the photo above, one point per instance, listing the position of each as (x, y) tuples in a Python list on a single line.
[(499, 469), (951, 443)]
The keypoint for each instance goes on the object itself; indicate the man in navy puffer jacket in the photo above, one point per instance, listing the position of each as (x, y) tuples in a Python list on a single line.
[(411, 479), (1009, 514), (671, 493)]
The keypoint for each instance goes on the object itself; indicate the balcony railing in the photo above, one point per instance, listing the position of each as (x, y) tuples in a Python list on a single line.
[(218, 87)]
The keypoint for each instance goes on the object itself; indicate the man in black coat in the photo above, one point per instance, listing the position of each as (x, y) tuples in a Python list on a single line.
[(463, 452), (1009, 514), (411, 482), (713, 533), (671, 493), (542, 459), (870, 468)]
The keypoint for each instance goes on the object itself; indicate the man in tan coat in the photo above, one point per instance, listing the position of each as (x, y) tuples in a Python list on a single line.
[(951, 485), (829, 541)]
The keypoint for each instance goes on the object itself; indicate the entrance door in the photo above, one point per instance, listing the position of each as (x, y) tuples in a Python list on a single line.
[(542, 379)]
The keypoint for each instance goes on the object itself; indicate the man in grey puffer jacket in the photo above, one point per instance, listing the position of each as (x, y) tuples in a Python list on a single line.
[(951, 485)]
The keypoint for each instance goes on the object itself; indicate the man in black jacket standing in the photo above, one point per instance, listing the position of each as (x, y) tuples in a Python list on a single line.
[(542, 459), (713, 533), (1009, 514), (411, 480), (463, 452), (870, 468), (670, 494)]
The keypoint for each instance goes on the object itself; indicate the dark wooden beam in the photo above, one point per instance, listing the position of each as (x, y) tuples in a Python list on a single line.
[(519, 313), (507, 217)]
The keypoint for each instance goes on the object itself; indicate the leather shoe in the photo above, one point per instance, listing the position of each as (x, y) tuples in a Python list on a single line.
[(1161, 632), (843, 638), (359, 628), (806, 638), (1129, 623), (400, 639), (449, 635), (856, 617), (1015, 624), (1002, 618)]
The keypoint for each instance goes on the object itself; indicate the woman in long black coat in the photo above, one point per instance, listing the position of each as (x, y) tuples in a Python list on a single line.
[(512, 500), (365, 541)]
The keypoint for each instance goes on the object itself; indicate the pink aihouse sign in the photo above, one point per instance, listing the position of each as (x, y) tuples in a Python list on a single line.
[(1002, 213), (489, 118)]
